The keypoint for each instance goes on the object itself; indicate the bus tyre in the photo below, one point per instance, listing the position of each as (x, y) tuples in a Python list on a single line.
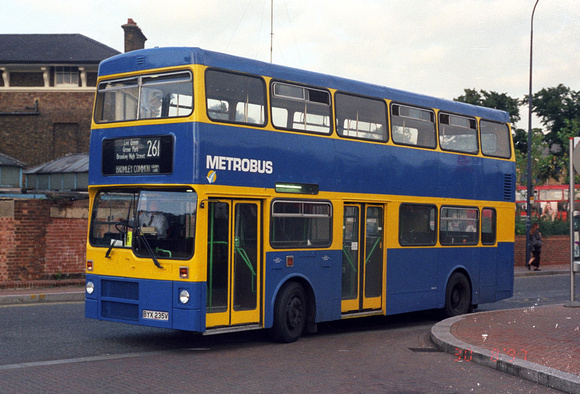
[(457, 295), (289, 313)]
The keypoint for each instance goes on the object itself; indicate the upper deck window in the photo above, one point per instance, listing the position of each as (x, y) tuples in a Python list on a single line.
[(458, 133), (150, 96), (361, 117), (302, 108), (495, 139), (235, 98), (413, 126)]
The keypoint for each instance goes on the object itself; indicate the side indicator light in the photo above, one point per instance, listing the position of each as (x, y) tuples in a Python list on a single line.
[(89, 265), (289, 261), (184, 272)]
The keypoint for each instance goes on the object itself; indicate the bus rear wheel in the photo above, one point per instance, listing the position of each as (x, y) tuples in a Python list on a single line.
[(457, 295), (289, 313)]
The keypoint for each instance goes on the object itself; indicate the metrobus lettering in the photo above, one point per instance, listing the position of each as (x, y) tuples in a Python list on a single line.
[(225, 163)]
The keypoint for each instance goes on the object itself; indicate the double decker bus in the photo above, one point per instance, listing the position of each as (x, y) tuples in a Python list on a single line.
[(551, 202), (230, 194)]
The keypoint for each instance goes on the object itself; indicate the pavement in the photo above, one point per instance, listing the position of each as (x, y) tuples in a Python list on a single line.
[(540, 344)]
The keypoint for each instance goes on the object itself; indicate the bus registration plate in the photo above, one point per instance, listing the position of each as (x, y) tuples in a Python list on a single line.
[(155, 315)]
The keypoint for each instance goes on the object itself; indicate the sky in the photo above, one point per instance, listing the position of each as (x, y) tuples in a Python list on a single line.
[(433, 47)]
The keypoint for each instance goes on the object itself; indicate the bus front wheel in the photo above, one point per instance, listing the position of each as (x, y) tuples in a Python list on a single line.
[(457, 295), (289, 313)]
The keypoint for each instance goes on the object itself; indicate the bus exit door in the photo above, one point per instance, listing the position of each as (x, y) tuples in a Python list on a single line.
[(362, 257), (233, 269)]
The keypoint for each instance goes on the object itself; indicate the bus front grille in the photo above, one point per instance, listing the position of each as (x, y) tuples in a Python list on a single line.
[(120, 310), (120, 300)]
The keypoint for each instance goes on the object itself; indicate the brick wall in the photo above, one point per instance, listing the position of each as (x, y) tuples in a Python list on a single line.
[(36, 139), (555, 250), (42, 239)]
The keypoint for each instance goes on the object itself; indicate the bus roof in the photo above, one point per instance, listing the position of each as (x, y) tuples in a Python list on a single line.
[(146, 59)]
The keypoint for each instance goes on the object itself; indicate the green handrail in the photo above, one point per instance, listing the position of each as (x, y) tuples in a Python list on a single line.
[(372, 250), (349, 258), (158, 249), (248, 262)]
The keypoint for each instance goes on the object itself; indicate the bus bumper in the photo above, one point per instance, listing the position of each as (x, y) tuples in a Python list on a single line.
[(153, 303)]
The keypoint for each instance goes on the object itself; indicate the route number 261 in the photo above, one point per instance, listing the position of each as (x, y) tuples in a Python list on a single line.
[(153, 148)]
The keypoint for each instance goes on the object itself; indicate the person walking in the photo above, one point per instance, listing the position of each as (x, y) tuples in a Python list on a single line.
[(535, 238)]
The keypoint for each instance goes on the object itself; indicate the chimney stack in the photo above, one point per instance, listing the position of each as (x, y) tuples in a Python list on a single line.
[(134, 37)]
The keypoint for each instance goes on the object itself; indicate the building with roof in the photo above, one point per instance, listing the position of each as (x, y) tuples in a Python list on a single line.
[(47, 89), (10, 174), (67, 173)]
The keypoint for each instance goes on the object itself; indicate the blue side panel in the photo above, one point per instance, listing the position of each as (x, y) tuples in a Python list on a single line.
[(496, 275), (321, 270), (409, 288), (490, 271), (505, 271), (335, 165), (124, 300)]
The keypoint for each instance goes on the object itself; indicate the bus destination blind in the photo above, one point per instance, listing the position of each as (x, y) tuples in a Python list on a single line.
[(152, 155)]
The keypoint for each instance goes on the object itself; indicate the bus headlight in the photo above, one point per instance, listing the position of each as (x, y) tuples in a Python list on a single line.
[(90, 287), (184, 296)]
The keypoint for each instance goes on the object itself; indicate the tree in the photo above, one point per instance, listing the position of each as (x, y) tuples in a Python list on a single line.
[(556, 107), (541, 163), (492, 99), (559, 111)]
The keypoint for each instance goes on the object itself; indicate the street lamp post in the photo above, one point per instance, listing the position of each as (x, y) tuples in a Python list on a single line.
[(529, 169)]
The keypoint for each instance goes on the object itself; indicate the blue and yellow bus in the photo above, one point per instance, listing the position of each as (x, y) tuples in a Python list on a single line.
[(230, 194)]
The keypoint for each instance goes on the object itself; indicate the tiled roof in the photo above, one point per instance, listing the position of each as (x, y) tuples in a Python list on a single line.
[(52, 48)]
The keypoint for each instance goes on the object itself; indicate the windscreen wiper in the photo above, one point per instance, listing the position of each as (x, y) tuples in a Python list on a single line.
[(122, 231), (148, 247)]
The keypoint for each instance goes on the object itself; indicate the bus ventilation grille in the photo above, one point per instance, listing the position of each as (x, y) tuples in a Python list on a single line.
[(140, 60), (508, 187)]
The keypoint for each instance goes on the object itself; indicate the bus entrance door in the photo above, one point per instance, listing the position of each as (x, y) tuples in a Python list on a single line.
[(233, 269), (362, 257)]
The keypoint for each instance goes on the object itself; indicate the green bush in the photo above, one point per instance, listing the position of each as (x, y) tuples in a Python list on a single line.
[(547, 227)]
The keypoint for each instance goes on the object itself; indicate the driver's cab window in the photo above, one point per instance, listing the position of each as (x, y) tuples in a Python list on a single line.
[(110, 211), (157, 224), (153, 214), (166, 223)]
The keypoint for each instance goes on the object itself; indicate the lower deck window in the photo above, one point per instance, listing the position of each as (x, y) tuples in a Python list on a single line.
[(488, 226), (417, 225), (459, 226), (301, 224)]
